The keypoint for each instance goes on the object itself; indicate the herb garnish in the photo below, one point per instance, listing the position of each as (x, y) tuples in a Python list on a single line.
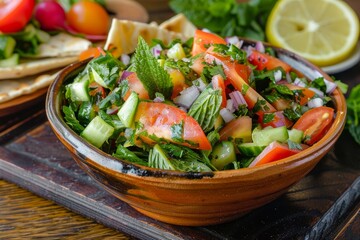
[(150, 73)]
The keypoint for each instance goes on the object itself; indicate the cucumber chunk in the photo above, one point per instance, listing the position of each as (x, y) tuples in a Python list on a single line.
[(79, 90), (295, 135), (128, 110), (264, 137), (250, 149), (11, 61), (223, 154), (7, 45), (176, 52), (97, 132)]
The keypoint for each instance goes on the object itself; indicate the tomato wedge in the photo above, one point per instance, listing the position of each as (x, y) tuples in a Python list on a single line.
[(202, 41), (159, 119), (315, 123), (231, 70), (135, 85), (92, 52), (239, 128), (273, 152), (218, 84), (265, 61), (275, 119), (15, 14)]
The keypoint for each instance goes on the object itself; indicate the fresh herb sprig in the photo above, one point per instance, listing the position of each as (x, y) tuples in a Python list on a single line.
[(150, 73), (353, 113), (227, 17)]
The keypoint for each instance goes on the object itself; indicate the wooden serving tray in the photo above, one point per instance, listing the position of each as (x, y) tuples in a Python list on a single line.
[(325, 204)]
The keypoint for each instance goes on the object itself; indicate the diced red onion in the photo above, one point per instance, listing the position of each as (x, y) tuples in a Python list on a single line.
[(206, 30), (113, 110), (187, 97), (199, 84), (259, 46), (248, 50), (277, 75), (237, 98), (125, 59), (186, 59), (156, 50), (315, 102), (230, 105), (232, 40), (125, 74), (226, 115), (159, 99), (317, 92), (299, 82), (330, 86), (288, 78)]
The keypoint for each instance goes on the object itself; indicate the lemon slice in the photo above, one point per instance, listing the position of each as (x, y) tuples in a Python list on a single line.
[(323, 31)]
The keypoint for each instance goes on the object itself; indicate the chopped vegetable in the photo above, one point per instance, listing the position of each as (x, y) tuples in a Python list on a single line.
[(212, 108)]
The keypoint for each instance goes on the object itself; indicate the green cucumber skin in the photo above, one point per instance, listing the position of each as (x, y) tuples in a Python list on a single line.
[(268, 135), (97, 132), (250, 149), (296, 135), (223, 154), (128, 110)]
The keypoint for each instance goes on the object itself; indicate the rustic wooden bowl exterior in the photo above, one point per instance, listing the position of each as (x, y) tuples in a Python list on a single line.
[(193, 199)]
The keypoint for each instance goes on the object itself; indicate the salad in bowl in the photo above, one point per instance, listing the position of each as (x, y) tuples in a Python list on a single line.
[(207, 104), (195, 132)]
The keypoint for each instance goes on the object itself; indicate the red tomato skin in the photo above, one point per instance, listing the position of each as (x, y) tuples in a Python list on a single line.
[(305, 96), (135, 85), (232, 75), (278, 120), (263, 60), (218, 84), (92, 52), (273, 152), (202, 39), (158, 118), (315, 123), (15, 14), (89, 18), (238, 128)]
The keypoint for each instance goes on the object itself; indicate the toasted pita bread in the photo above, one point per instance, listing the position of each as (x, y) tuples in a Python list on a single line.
[(180, 24), (61, 50), (10, 89), (31, 67), (123, 36), (63, 45)]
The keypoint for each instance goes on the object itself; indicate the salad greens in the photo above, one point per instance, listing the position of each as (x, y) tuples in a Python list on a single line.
[(227, 17), (353, 114), (222, 109)]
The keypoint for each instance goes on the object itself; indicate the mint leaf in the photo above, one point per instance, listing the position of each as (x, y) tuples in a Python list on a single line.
[(71, 120), (206, 108), (150, 73)]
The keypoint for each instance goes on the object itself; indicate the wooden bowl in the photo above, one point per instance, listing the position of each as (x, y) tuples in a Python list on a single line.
[(193, 199)]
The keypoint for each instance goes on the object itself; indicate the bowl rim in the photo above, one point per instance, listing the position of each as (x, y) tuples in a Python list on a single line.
[(120, 166)]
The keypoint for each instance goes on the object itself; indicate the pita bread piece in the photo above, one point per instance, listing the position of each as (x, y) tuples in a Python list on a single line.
[(123, 36), (10, 89), (63, 45), (35, 66), (180, 24), (61, 50)]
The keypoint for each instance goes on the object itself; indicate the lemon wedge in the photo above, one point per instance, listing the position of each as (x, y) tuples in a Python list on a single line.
[(324, 32)]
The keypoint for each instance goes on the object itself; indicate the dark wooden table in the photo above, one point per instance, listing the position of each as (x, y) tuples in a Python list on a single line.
[(44, 194)]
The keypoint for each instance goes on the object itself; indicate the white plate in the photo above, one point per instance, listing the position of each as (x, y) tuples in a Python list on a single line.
[(346, 64)]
